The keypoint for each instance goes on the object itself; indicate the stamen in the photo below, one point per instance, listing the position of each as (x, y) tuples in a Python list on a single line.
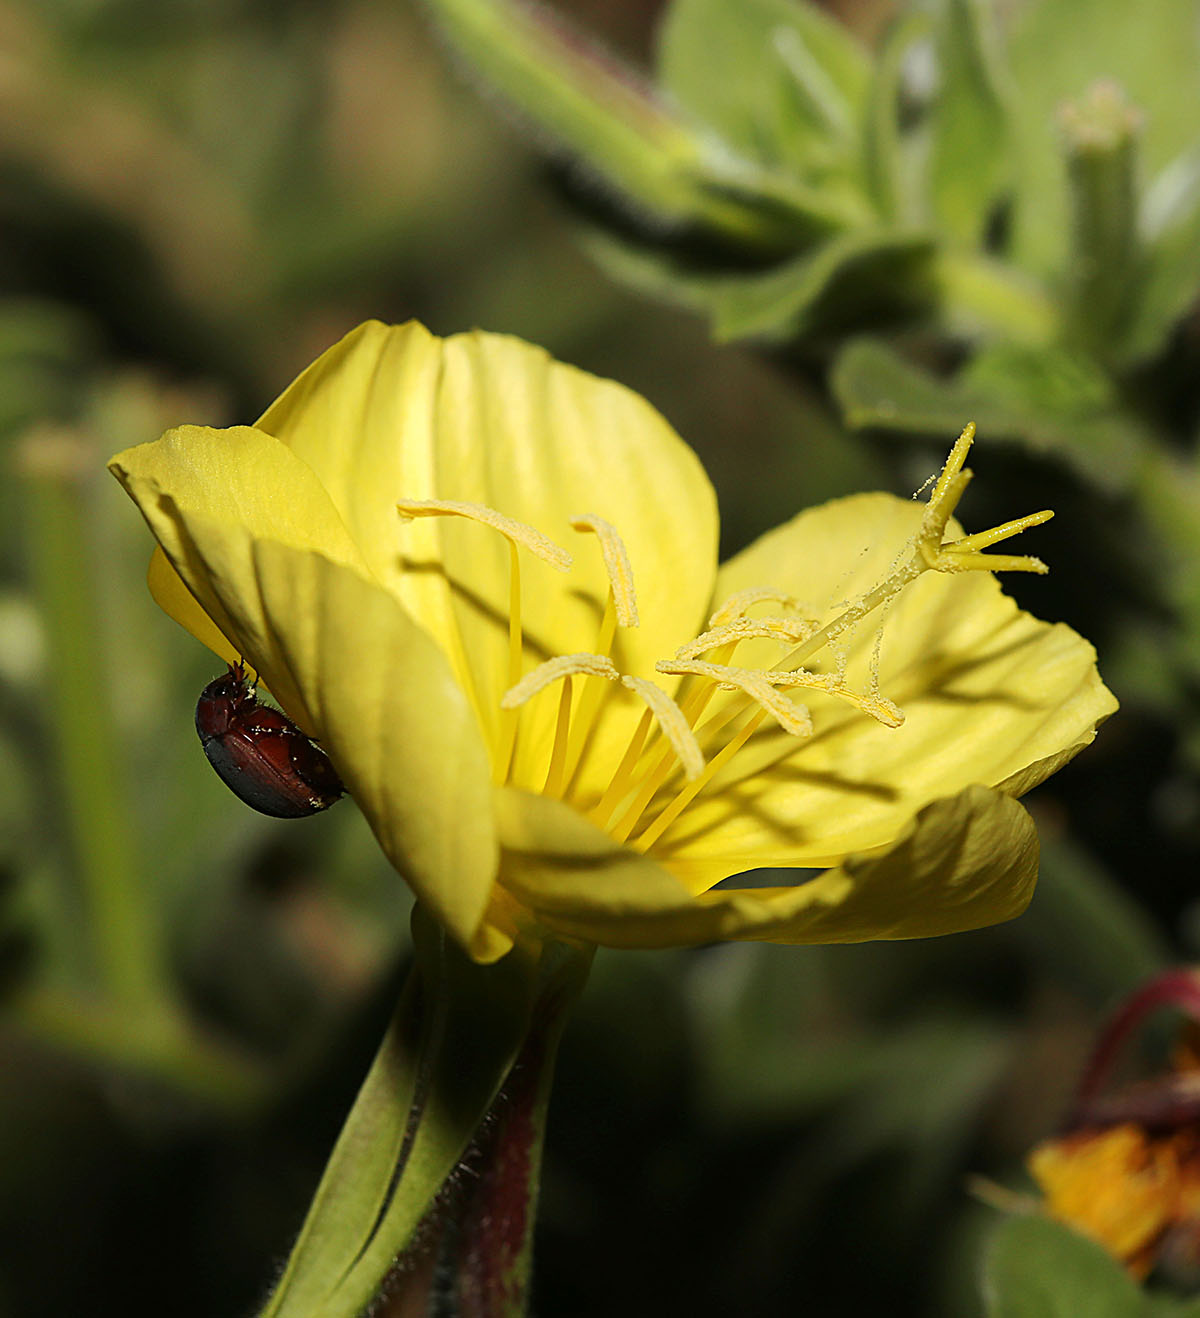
[(593, 693), (564, 665), (558, 756), (624, 774), (788, 630), (688, 794), (516, 650), (741, 601), (878, 706), (672, 722), (791, 717), (692, 707), (517, 532), (616, 564)]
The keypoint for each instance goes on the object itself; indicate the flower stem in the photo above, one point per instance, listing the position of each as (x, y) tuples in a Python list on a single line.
[(482, 1228), (457, 1042)]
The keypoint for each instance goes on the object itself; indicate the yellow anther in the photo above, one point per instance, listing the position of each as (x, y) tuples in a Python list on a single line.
[(673, 724), (741, 601), (787, 630), (517, 532), (616, 564), (791, 717), (879, 707), (554, 670)]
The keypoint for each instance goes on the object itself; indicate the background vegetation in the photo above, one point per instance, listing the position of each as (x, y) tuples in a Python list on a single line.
[(195, 199)]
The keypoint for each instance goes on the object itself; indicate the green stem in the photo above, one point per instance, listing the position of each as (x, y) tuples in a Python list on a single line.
[(483, 1226), (1101, 138), (451, 1048), (161, 1045), (606, 115), (126, 947)]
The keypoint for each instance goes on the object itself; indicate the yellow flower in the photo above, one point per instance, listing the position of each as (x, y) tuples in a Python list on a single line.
[(1125, 1188), (487, 583)]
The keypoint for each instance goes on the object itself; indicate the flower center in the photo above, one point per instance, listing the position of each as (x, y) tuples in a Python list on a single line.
[(670, 737)]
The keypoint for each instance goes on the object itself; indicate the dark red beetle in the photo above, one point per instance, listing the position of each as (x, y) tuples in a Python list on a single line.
[(261, 755)]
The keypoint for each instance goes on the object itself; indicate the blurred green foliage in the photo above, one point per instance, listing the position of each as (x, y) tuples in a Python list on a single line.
[(195, 199)]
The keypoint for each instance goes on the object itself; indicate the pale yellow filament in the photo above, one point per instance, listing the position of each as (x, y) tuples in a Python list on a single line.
[(516, 642), (558, 756), (672, 722), (592, 694), (688, 794), (623, 778)]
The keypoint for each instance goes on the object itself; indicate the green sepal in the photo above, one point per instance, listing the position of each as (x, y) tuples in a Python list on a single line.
[(452, 1043)]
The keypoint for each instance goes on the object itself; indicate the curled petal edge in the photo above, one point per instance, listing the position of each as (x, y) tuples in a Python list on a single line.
[(963, 862)]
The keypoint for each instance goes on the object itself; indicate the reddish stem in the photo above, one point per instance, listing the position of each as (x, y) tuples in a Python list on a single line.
[(1174, 988)]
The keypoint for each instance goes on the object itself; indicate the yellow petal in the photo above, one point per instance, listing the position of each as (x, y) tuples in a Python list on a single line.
[(240, 477), (257, 543), (990, 695), (391, 716), (175, 600), (962, 863), (490, 420)]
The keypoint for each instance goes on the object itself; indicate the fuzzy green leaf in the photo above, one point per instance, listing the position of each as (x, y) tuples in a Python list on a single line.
[(969, 165), (779, 80), (862, 277)]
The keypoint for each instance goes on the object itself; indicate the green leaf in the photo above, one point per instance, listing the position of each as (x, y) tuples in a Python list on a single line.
[(1168, 1306), (869, 275), (1038, 1268), (1170, 275), (455, 1036), (1049, 401), (779, 80), (891, 177), (970, 164), (608, 117)]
